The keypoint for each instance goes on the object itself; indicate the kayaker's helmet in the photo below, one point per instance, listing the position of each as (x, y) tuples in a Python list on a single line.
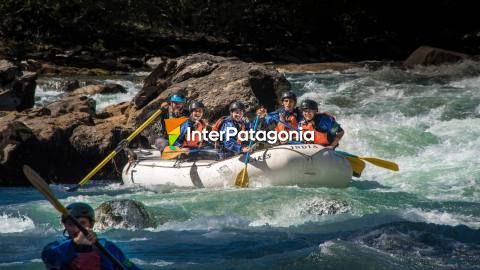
[(178, 97), (195, 105), (309, 104), (237, 105), (78, 210), (289, 94)]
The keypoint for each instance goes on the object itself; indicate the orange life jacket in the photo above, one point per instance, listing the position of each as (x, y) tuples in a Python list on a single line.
[(319, 137), (290, 120), (195, 141)]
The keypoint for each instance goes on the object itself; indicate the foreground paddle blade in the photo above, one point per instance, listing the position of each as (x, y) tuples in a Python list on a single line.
[(38, 182), (242, 179), (357, 165), (382, 163)]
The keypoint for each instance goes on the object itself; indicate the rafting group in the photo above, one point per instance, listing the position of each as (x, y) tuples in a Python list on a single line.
[(322, 127)]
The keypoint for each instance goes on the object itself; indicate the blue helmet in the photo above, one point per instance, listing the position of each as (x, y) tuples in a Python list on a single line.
[(178, 97)]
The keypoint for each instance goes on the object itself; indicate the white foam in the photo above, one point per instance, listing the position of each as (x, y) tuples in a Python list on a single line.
[(440, 218), (158, 263), (14, 224)]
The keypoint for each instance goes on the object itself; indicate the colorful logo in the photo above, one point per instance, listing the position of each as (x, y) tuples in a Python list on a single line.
[(173, 128)]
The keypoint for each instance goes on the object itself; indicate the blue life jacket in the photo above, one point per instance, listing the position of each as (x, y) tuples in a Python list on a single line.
[(60, 254)]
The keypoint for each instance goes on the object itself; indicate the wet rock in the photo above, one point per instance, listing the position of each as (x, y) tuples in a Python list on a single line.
[(16, 142), (123, 214), (194, 71), (433, 56), (109, 88), (214, 80), (70, 104), (17, 89), (8, 72), (153, 62), (45, 147), (54, 70), (316, 67), (322, 207), (131, 62), (69, 85)]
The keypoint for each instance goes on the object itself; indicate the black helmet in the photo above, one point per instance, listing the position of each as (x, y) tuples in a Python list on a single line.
[(309, 104), (78, 210), (289, 94), (178, 97), (195, 105), (236, 105)]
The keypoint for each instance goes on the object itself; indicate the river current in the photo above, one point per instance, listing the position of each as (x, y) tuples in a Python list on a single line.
[(426, 216)]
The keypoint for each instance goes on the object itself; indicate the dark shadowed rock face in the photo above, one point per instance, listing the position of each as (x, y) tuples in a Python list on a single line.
[(433, 56), (17, 89), (123, 214)]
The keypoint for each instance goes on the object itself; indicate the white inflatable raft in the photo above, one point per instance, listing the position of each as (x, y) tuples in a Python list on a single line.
[(300, 164)]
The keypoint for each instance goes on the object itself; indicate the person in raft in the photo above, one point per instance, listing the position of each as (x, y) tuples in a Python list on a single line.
[(234, 146), (327, 131), (196, 122), (174, 108), (77, 250), (287, 116)]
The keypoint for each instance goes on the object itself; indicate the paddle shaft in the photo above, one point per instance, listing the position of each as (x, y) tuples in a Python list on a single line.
[(247, 157), (242, 179), (38, 182), (116, 151)]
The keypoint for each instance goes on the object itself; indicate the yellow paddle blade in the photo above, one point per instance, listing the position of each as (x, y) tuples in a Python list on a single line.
[(38, 182), (357, 165), (242, 179), (382, 163), (172, 152)]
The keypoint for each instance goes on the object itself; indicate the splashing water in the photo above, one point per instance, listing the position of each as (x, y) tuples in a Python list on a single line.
[(426, 216)]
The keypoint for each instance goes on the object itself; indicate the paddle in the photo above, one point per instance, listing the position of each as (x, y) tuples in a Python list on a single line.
[(172, 152), (390, 165), (38, 182), (242, 179), (357, 164), (117, 150)]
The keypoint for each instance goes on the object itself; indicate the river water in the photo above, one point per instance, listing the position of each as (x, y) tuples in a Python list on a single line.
[(426, 216)]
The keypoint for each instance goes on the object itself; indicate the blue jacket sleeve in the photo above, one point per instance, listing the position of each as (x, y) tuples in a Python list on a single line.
[(58, 254), (327, 124), (271, 118), (117, 253), (230, 144)]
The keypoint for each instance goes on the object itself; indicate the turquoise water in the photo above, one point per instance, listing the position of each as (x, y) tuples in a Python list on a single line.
[(427, 216)]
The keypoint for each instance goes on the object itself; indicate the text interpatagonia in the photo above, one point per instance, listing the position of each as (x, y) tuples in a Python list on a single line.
[(271, 136)]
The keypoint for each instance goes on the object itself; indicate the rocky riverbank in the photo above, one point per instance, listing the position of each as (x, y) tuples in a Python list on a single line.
[(65, 139)]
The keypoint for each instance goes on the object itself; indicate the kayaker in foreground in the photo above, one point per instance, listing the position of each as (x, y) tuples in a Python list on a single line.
[(77, 250)]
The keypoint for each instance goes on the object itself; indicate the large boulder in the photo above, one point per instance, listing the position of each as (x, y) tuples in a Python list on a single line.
[(17, 89), (214, 80), (123, 214), (62, 141), (426, 56)]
